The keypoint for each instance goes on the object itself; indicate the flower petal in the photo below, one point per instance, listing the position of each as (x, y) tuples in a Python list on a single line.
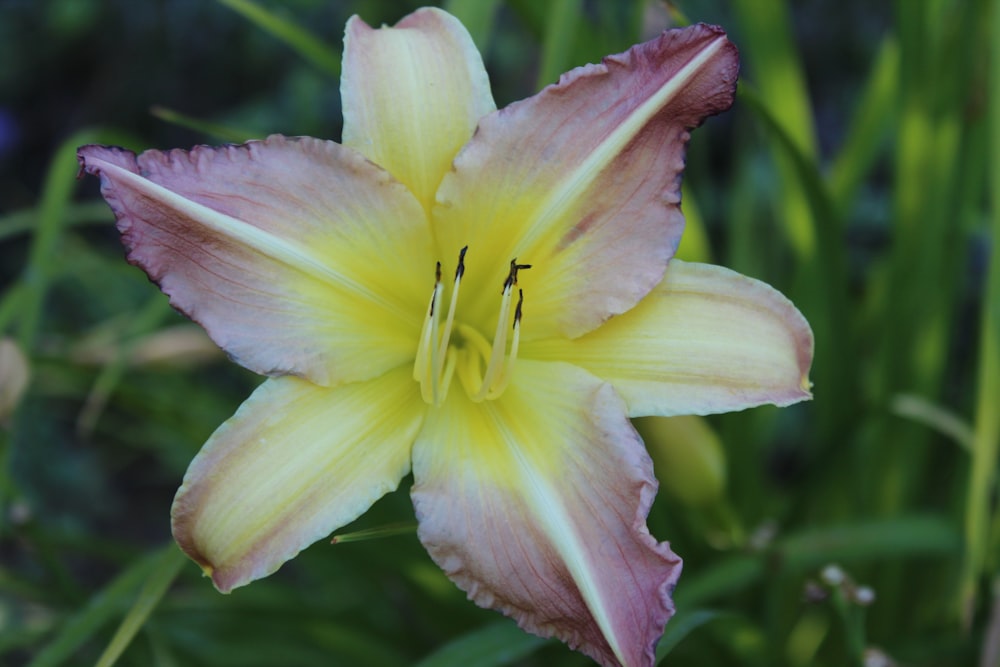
[(535, 505), (582, 181), (297, 256), (295, 462), (706, 340), (412, 95)]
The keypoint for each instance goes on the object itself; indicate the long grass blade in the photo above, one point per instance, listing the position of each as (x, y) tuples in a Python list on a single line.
[(557, 47), (986, 429), (495, 645), (215, 130), (680, 626), (41, 266), (164, 573), (307, 45), (477, 16), (101, 608)]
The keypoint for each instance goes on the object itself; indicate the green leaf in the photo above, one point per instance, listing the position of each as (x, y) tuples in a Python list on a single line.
[(230, 134), (557, 47), (298, 38), (680, 626), (477, 16), (804, 551), (60, 182), (75, 215), (897, 537), (492, 646), (164, 573), (870, 125), (156, 310), (980, 501), (934, 416), (102, 607), (769, 49), (390, 530)]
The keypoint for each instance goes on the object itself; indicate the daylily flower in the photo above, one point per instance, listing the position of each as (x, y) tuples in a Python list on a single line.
[(481, 296)]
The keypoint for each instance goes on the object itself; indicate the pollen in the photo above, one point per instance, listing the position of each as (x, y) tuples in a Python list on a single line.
[(484, 369)]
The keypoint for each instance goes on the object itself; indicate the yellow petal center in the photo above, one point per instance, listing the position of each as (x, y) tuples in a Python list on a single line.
[(453, 348)]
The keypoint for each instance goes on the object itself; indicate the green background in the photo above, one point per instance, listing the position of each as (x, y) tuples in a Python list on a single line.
[(856, 173)]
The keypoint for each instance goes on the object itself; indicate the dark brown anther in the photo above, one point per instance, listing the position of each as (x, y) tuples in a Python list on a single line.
[(512, 276), (460, 269), (517, 308), (437, 281)]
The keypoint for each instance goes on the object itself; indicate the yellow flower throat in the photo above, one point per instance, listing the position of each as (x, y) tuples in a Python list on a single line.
[(484, 370)]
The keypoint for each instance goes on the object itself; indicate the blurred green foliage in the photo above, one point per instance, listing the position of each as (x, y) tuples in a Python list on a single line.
[(857, 173)]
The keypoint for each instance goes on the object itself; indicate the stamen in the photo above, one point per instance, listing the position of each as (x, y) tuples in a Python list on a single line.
[(435, 363), (422, 365), (495, 367), (459, 272), (508, 369), (438, 359), (512, 276)]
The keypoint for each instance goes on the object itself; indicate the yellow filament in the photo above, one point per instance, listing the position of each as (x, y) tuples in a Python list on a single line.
[(508, 369), (446, 338), (422, 365), (438, 359), (495, 364)]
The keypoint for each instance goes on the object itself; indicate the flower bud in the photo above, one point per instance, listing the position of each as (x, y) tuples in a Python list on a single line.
[(13, 377), (688, 458)]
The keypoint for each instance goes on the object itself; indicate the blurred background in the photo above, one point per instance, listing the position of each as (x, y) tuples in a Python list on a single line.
[(856, 173)]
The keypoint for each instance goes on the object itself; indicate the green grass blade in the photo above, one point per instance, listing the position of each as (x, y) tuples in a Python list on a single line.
[(298, 38), (869, 126), (557, 48), (821, 281), (805, 551), (75, 215), (477, 16), (495, 645), (41, 266), (164, 573), (391, 530), (102, 607), (156, 310), (680, 626), (776, 70), (719, 579), (986, 428), (10, 304), (933, 416), (898, 537), (215, 130)]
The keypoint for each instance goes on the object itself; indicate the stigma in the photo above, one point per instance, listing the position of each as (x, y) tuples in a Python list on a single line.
[(452, 348)]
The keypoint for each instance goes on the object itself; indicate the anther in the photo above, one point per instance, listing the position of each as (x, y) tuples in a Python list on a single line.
[(434, 294), (512, 276), (438, 358)]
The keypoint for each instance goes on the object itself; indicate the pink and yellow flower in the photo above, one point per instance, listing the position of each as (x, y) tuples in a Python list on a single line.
[(482, 297)]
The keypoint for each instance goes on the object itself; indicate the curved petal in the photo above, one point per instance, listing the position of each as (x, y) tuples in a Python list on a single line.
[(535, 504), (412, 95), (706, 340), (295, 462), (297, 256), (582, 181)]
